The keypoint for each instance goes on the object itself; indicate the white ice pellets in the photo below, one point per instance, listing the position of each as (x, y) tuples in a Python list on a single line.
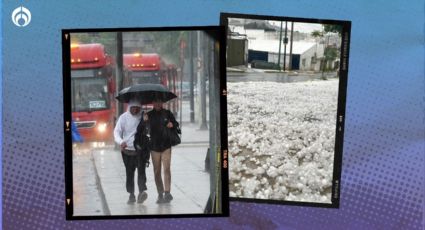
[(259, 171), (285, 131), (272, 172)]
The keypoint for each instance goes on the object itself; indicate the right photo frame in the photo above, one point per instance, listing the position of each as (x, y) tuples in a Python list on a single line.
[(286, 97)]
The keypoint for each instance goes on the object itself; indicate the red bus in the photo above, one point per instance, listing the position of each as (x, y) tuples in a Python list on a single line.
[(150, 68), (93, 89)]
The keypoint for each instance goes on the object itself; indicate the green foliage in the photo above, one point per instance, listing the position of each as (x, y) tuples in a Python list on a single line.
[(333, 29), (316, 34), (327, 29), (331, 53), (167, 44)]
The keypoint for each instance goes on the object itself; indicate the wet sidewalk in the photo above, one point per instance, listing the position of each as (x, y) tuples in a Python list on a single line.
[(190, 185)]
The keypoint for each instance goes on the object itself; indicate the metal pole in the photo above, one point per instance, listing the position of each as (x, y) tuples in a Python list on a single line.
[(290, 45), (215, 150), (285, 41), (324, 56), (280, 45), (119, 70), (205, 72), (180, 101), (192, 79), (198, 73)]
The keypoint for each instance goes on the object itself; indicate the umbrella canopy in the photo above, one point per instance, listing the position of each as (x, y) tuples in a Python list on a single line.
[(145, 93)]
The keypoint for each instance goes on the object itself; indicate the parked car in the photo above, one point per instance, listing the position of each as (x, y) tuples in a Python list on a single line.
[(259, 64)]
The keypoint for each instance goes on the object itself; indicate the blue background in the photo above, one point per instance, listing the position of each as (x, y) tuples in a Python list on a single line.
[(383, 160)]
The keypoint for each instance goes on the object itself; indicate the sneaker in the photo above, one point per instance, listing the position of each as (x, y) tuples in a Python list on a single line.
[(131, 198), (168, 197), (160, 199), (142, 197)]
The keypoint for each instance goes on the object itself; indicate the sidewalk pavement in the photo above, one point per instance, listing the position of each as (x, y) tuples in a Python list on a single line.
[(192, 135), (190, 184)]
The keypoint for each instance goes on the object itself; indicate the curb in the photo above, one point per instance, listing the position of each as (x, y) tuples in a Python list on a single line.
[(105, 206), (235, 70), (193, 144)]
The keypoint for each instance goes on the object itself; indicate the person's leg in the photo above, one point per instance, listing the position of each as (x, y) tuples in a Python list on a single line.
[(156, 162), (141, 178), (166, 163), (141, 173), (129, 171)]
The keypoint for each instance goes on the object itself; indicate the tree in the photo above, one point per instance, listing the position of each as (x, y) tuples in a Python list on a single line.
[(329, 53), (333, 29), (167, 44), (316, 34)]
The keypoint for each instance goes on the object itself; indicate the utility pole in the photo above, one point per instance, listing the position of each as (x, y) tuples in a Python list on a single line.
[(202, 74), (183, 45), (192, 78), (285, 41), (280, 45), (290, 46), (119, 70), (324, 53), (198, 74)]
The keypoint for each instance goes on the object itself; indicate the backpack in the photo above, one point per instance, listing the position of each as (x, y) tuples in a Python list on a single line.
[(174, 134), (142, 141)]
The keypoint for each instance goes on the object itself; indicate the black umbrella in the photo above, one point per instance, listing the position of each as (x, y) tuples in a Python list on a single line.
[(145, 93)]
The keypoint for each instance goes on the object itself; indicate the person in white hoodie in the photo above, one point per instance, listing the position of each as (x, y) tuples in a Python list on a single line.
[(124, 132)]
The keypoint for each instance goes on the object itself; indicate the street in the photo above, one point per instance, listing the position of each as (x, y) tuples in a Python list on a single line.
[(275, 76)]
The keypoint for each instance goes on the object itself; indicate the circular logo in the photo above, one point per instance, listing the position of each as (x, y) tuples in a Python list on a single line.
[(21, 16)]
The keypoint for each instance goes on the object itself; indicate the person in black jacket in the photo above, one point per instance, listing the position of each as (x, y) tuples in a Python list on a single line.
[(159, 120)]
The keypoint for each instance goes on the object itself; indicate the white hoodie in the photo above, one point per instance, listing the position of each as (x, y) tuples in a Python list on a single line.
[(126, 126)]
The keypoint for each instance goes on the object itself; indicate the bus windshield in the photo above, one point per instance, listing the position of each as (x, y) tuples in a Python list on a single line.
[(89, 94), (140, 77)]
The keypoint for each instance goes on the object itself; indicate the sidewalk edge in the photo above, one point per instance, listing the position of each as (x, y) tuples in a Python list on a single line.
[(99, 185)]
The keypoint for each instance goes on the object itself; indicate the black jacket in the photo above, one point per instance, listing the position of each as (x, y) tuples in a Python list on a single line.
[(142, 140), (158, 121)]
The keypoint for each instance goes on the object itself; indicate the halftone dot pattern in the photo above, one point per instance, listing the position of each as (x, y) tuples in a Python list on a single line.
[(383, 160)]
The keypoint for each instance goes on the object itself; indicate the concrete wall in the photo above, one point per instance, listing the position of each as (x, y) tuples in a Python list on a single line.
[(307, 58)]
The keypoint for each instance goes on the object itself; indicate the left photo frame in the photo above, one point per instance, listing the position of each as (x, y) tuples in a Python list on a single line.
[(145, 123)]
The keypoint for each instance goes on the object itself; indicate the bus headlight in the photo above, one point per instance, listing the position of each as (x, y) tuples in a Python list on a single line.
[(102, 127)]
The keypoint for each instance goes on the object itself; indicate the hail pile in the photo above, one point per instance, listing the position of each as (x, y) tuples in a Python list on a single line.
[(281, 140)]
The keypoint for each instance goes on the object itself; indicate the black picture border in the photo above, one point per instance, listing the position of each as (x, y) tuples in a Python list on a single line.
[(66, 71), (342, 95)]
